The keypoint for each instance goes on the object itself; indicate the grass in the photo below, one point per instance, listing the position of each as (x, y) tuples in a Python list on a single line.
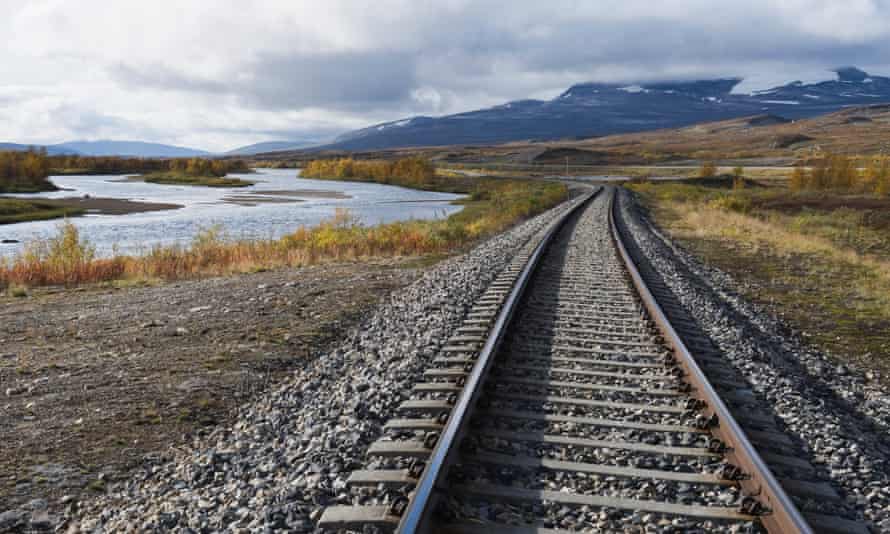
[(492, 205), (14, 210), (36, 187), (16, 291), (822, 262), (181, 178)]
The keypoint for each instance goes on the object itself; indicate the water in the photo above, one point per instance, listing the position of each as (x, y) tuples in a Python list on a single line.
[(204, 207)]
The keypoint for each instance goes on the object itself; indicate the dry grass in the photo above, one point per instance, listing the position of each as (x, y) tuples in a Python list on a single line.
[(825, 269), (771, 236)]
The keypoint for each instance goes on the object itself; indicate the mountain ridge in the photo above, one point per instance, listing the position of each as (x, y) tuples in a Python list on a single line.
[(143, 149), (593, 109), (109, 147)]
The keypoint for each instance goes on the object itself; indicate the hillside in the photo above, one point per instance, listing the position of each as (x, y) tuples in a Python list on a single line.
[(597, 109), (269, 146), (51, 150), (757, 139), (859, 130)]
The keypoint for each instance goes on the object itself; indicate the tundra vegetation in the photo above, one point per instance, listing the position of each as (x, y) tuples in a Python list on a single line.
[(816, 248), (14, 210), (25, 172), (414, 172), (199, 171), (491, 205)]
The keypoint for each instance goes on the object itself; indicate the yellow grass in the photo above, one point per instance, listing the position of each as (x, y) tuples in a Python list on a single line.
[(705, 221), (824, 270)]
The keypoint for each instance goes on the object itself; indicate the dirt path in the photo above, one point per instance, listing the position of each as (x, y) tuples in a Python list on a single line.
[(92, 381)]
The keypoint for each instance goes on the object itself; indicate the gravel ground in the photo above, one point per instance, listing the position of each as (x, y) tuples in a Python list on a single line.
[(93, 379), (288, 453), (839, 412)]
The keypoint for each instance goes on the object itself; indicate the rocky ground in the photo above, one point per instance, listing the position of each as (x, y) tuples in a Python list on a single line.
[(94, 381), (285, 454), (841, 414)]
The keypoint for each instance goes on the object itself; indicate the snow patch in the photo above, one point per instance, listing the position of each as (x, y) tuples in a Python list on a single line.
[(633, 89), (786, 102)]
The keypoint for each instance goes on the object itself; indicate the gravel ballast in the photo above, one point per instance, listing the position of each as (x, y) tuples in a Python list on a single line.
[(841, 414), (290, 451)]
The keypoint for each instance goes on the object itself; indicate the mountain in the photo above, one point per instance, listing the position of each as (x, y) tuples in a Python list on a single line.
[(127, 148), (52, 151), (269, 146), (598, 109)]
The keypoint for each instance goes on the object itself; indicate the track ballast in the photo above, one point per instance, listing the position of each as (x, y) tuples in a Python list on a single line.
[(563, 404)]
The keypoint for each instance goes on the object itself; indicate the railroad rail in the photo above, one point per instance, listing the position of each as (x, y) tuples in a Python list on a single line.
[(566, 401)]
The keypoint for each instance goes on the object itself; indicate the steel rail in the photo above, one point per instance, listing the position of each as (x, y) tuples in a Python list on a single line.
[(420, 505), (782, 515)]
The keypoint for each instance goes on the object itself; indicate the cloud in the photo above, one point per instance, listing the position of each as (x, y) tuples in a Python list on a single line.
[(217, 73)]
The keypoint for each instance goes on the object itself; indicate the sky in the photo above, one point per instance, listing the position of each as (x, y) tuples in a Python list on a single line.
[(218, 74)]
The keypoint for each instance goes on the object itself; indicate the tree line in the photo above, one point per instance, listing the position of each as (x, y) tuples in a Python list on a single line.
[(413, 171), (122, 165), (24, 171), (32, 167), (834, 172)]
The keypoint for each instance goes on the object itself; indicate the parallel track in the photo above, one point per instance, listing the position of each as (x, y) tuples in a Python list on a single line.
[(566, 402)]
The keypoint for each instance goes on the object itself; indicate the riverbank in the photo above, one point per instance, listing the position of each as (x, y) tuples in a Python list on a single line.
[(492, 206), (14, 210), (17, 210), (39, 186)]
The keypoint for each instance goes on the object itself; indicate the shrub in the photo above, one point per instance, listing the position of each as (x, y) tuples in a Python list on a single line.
[(738, 204), (707, 170)]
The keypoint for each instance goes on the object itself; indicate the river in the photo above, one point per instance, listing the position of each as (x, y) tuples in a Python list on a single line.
[(277, 204)]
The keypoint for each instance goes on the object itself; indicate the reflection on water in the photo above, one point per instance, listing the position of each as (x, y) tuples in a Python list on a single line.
[(204, 207)]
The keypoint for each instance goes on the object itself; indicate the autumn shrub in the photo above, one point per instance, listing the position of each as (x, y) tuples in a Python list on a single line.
[(64, 259), (736, 203), (707, 170)]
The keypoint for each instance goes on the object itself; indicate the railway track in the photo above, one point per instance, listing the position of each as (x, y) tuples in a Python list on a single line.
[(566, 402)]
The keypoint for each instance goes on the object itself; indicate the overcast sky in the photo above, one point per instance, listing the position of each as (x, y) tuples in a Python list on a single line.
[(217, 74)]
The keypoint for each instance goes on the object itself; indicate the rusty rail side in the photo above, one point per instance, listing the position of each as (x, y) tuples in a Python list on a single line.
[(780, 515)]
